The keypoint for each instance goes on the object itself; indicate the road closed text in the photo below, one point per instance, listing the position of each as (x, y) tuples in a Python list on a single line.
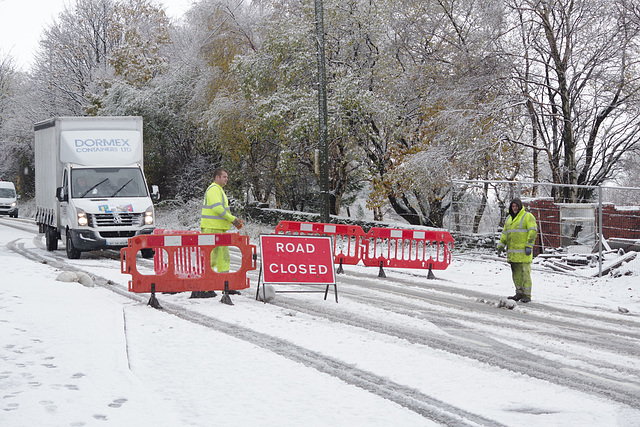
[(298, 269), (291, 248), (297, 259)]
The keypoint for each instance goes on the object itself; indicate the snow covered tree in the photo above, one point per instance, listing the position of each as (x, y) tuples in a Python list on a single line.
[(445, 85), (17, 115), (7, 77), (94, 42), (280, 80), (220, 32), (142, 30), (176, 158), (73, 52)]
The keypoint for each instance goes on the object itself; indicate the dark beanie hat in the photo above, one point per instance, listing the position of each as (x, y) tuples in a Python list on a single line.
[(519, 203)]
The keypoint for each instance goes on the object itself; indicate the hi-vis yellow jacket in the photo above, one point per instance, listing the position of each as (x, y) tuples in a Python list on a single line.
[(215, 209), (518, 233)]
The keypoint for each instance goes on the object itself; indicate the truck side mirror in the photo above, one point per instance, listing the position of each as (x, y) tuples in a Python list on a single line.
[(155, 193), (60, 195)]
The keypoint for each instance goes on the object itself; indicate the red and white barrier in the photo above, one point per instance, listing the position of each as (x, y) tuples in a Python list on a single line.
[(399, 248), (182, 262), (380, 247)]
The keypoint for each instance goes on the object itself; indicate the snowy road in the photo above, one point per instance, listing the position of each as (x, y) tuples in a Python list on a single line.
[(440, 350), (587, 353)]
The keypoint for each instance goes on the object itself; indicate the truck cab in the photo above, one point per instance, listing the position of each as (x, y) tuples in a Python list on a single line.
[(102, 207)]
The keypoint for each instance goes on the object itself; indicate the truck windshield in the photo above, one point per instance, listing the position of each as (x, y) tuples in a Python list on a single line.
[(7, 193), (107, 182)]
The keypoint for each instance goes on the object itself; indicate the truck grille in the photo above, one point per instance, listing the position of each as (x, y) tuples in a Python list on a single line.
[(116, 219), (121, 233)]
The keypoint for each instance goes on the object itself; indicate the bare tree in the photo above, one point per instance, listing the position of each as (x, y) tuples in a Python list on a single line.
[(577, 71)]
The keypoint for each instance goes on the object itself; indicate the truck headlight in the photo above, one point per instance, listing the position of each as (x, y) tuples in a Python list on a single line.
[(148, 216), (82, 217), (14, 204)]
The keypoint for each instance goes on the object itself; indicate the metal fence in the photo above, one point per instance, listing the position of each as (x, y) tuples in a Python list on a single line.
[(583, 230)]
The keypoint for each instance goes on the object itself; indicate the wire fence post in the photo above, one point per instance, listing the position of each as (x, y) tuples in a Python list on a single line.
[(600, 236)]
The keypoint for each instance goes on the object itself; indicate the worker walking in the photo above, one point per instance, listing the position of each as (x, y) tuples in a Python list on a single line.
[(217, 218), (518, 237)]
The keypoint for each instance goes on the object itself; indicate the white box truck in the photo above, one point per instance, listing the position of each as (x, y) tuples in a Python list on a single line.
[(90, 187)]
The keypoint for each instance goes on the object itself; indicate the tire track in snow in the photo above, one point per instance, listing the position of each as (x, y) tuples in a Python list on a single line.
[(407, 397), (444, 294), (618, 337), (496, 354), (501, 326), (566, 375)]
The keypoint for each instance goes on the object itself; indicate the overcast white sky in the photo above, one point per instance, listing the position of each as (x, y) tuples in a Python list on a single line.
[(22, 23)]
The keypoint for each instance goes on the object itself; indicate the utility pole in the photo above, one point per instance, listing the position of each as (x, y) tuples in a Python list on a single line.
[(322, 114)]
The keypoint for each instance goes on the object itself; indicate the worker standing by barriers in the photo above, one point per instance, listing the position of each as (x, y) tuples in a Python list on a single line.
[(217, 218), (518, 237)]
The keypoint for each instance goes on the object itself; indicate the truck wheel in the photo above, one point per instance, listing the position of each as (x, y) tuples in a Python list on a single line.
[(50, 238), (147, 253), (72, 252)]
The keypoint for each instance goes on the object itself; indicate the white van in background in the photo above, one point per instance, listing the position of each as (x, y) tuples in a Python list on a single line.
[(8, 199)]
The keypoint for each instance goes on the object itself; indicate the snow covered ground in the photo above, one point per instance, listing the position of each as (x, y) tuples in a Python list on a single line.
[(75, 355)]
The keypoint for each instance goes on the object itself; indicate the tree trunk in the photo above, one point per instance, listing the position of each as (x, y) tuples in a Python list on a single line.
[(405, 210), (480, 211)]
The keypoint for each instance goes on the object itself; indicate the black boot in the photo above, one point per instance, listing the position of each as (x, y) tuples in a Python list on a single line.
[(516, 297)]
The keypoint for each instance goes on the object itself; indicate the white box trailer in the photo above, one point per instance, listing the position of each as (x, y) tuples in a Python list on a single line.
[(90, 186)]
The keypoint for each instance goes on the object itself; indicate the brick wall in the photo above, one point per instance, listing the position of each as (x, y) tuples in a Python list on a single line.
[(547, 215), (620, 222), (616, 222)]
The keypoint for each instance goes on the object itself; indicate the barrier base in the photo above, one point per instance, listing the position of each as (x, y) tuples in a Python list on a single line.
[(381, 272), (153, 301), (226, 299), (325, 292)]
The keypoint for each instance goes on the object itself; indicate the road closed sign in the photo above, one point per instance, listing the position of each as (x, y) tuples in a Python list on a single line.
[(297, 260)]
